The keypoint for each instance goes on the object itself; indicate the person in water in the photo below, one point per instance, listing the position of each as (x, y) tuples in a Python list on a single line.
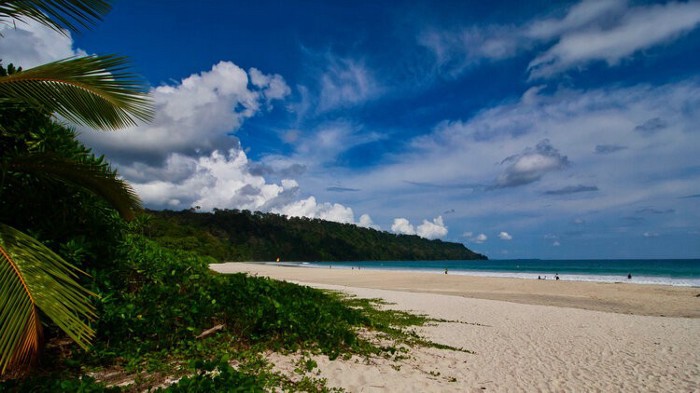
[(629, 276)]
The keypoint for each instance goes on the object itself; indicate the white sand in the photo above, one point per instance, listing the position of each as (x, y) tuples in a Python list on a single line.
[(519, 347)]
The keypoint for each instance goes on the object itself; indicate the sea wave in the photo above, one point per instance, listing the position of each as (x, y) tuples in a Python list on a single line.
[(636, 279)]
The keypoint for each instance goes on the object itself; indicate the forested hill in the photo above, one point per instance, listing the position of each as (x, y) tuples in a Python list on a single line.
[(234, 235)]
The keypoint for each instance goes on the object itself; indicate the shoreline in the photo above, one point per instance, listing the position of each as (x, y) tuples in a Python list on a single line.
[(621, 298), (638, 279), (584, 341)]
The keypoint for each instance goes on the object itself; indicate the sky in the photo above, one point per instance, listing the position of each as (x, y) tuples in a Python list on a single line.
[(539, 129)]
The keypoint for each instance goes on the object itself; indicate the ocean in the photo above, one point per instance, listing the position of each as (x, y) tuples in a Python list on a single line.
[(677, 272)]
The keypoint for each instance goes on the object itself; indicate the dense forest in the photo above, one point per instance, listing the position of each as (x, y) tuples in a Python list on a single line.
[(235, 235)]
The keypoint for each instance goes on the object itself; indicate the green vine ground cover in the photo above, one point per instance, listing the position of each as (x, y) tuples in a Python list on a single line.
[(154, 301)]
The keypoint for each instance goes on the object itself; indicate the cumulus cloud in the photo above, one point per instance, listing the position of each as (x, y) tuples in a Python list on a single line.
[(366, 222), (477, 239), (273, 87), (310, 208), (31, 44), (531, 165), (193, 117), (220, 180), (434, 229), (505, 236), (402, 226), (186, 156)]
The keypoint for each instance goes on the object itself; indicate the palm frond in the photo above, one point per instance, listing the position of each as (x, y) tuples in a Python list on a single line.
[(32, 279), (94, 179), (56, 14), (96, 91)]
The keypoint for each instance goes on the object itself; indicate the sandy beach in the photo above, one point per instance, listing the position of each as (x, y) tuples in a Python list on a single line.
[(527, 335)]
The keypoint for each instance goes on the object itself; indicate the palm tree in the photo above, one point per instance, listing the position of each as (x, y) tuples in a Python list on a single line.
[(95, 91)]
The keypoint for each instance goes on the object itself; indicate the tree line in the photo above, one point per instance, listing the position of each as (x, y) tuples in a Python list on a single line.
[(242, 235)]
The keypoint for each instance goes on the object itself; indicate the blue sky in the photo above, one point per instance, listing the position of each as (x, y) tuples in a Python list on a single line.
[(521, 129)]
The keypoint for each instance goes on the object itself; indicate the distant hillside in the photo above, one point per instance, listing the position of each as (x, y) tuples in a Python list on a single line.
[(234, 235)]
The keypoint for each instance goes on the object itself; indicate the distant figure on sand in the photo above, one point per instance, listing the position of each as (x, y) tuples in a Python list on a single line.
[(556, 276), (539, 277), (629, 276), (445, 270)]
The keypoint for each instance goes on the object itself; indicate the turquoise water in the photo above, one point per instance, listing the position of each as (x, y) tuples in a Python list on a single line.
[(679, 272)]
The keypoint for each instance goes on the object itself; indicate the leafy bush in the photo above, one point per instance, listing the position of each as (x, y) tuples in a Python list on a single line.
[(56, 384), (156, 299), (217, 376)]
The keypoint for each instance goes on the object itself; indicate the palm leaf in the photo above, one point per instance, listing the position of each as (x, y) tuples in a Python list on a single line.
[(56, 14), (92, 178), (95, 91), (32, 279)]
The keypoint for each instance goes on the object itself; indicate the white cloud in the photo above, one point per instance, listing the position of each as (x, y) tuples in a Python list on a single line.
[(185, 156), (478, 239), (366, 222), (403, 227), (273, 86), (193, 117), (505, 236), (323, 144), (457, 50), (578, 16), (345, 83), (531, 165), (310, 208), (32, 44), (435, 229), (611, 38), (589, 31), (214, 181)]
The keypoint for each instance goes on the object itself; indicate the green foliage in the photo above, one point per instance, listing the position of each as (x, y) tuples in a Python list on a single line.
[(155, 299), (217, 376), (56, 14), (233, 235), (95, 91), (56, 384), (63, 214), (47, 179), (33, 279)]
